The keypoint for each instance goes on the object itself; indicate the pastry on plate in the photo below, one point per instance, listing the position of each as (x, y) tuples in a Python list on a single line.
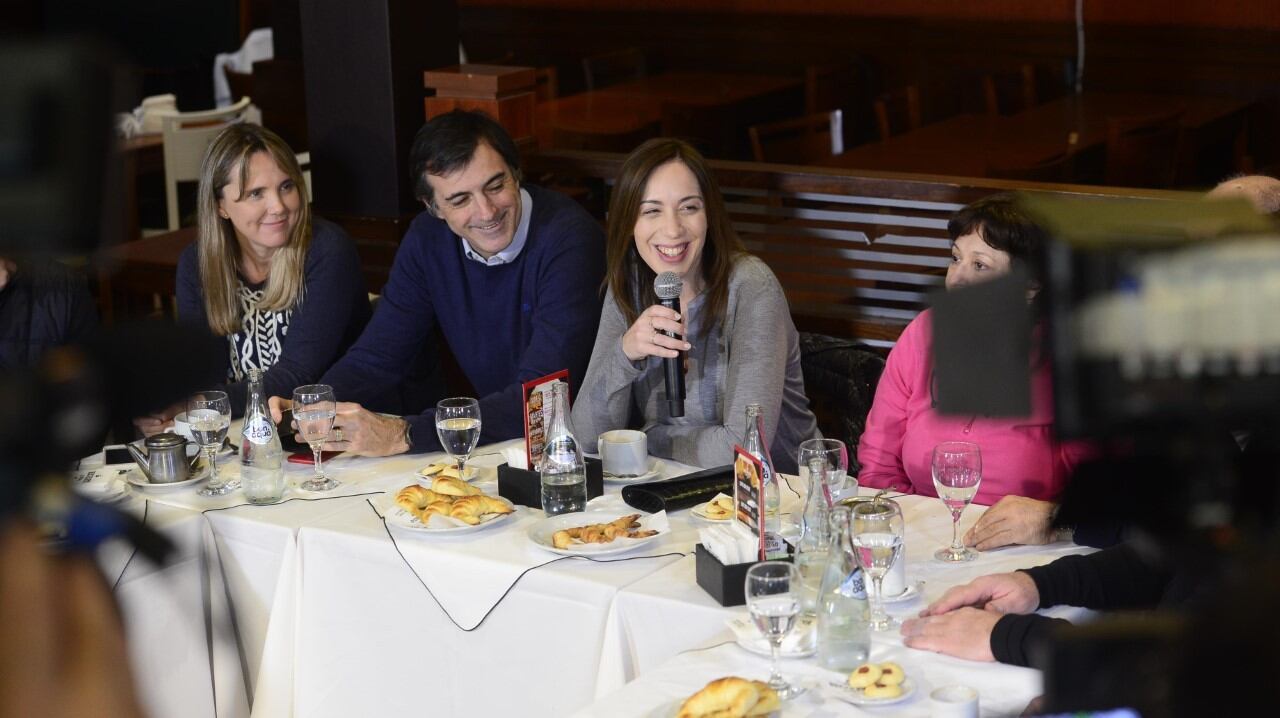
[(730, 697), (864, 675), (450, 486), (721, 507)]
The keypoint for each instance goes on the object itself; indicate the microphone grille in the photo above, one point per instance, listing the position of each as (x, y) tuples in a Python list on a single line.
[(667, 285)]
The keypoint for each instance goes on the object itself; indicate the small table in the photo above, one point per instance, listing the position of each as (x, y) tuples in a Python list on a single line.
[(141, 268)]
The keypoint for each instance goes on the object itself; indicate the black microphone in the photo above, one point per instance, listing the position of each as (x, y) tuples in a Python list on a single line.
[(667, 286)]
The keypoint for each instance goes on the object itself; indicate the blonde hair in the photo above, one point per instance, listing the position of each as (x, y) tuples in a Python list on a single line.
[(217, 248)]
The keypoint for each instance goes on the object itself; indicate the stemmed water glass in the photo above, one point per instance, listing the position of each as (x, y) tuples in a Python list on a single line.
[(458, 426), (824, 463), (772, 591), (209, 414), (314, 410), (877, 528), (957, 471)]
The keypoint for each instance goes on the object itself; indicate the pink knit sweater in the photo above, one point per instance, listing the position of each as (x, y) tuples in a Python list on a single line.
[(1019, 456)]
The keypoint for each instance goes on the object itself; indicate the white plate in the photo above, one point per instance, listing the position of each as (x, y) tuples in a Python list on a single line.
[(541, 532), (913, 590), (655, 470), (856, 696), (402, 519), (802, 642), (137, 479)]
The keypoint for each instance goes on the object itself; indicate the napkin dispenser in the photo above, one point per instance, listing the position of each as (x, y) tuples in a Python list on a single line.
[(726, 584), (520, 486)]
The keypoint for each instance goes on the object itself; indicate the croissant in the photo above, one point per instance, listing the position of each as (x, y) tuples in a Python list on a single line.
[(414, 498), (467, 509), (722, 698), (769, 701), (453, 487), (495, 506)]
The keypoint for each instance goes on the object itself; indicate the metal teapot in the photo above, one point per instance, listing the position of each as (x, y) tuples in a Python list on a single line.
[(165, 460)]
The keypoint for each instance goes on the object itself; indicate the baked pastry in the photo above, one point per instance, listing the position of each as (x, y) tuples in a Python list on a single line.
[(470, 509), (881, 690), (626, 527), (440, 469), (864, 675), (415, 498), (721, 507), (450, 486), (722, 698), (891, 674), (769, 700)]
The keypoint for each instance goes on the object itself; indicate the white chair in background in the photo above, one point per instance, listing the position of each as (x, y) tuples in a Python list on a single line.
[(186, 137), (304, 161)]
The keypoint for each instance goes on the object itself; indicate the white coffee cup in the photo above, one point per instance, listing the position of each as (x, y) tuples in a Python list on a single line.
[(953, 702), (895, 581), (182, 427), (625, 453)]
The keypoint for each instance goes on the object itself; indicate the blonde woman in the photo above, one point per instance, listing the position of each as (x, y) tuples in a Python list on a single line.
[(283, 287)]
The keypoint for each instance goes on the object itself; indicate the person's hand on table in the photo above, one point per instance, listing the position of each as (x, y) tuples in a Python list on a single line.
[(645, 337), (964, 633), (1012, 520), (1013, 592), (158, 421), (361, 432)]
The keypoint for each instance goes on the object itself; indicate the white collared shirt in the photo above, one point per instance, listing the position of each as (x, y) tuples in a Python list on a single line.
[(512, 251)]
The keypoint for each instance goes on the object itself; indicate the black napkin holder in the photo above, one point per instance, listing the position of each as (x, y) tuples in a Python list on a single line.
[(726, 584), (524, 487)]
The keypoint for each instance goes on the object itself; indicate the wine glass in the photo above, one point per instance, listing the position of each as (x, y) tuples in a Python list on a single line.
[(877, 528), (772, 591), (209, 414), (458, 426), (824, 464), (957, 471), (314, 409)]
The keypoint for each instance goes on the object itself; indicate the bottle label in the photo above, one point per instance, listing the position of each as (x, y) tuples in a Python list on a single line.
[(775, 547), (258, 429)]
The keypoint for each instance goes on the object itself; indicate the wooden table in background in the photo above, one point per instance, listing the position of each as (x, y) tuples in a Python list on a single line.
[(630, 111), (132, 273), (966, 145)]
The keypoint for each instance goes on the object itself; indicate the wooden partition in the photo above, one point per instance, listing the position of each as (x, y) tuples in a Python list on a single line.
[(856, 253)]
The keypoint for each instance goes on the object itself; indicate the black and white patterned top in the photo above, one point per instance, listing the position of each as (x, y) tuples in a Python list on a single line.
[(259, 343)]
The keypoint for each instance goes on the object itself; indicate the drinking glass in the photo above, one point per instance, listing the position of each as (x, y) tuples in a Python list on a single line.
[(314, 409), (209, 414), (458, 426), (773, 601), (957, 471), (877, 544), (823, 464)]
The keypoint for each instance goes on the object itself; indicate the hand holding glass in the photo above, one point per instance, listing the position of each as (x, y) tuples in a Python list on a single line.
[(957, 472), (314, 409), (209, 414), (877, 544), (772, 591), (458, 426)]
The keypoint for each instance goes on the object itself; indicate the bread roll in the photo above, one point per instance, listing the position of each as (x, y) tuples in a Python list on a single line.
[(722, 698)]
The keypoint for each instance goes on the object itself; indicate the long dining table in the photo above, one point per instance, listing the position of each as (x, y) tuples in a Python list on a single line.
[(316, 607), (969, 145)]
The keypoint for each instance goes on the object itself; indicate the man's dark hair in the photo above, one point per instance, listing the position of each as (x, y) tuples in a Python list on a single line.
[(1002, 224), (447, 142)]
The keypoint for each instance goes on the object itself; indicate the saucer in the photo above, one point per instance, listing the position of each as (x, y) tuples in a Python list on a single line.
[(655, 470), (913, 590), (137, 479)]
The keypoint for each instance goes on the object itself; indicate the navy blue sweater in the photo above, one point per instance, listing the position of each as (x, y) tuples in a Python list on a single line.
[(505, 324), (331, 314)]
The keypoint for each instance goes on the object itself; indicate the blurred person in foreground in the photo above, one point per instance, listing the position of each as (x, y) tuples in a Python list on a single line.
[(741, 347), (282, 286), (1261, 191), (1024, 467), (64, 652), (508, 272), (42, 305)]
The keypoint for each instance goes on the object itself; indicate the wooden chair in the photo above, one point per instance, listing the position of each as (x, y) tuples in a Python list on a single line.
[(898, 111), (613, 67), (1143, 151), (800, 140), (1009, 94)]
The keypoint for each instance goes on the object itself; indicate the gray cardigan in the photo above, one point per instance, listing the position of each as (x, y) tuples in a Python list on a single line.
[(754, 357)]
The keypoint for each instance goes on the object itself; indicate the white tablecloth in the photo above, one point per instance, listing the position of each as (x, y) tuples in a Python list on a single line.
[(332, 621), (665, 615)]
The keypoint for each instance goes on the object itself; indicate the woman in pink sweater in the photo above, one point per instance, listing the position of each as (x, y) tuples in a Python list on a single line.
[(1023, 467)]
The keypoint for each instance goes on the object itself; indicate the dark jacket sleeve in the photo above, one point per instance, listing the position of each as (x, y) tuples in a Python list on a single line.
[(1016, 638), (1113, 578)]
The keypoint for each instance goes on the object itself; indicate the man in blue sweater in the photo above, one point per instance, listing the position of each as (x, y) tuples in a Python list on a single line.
[(511, 274)]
